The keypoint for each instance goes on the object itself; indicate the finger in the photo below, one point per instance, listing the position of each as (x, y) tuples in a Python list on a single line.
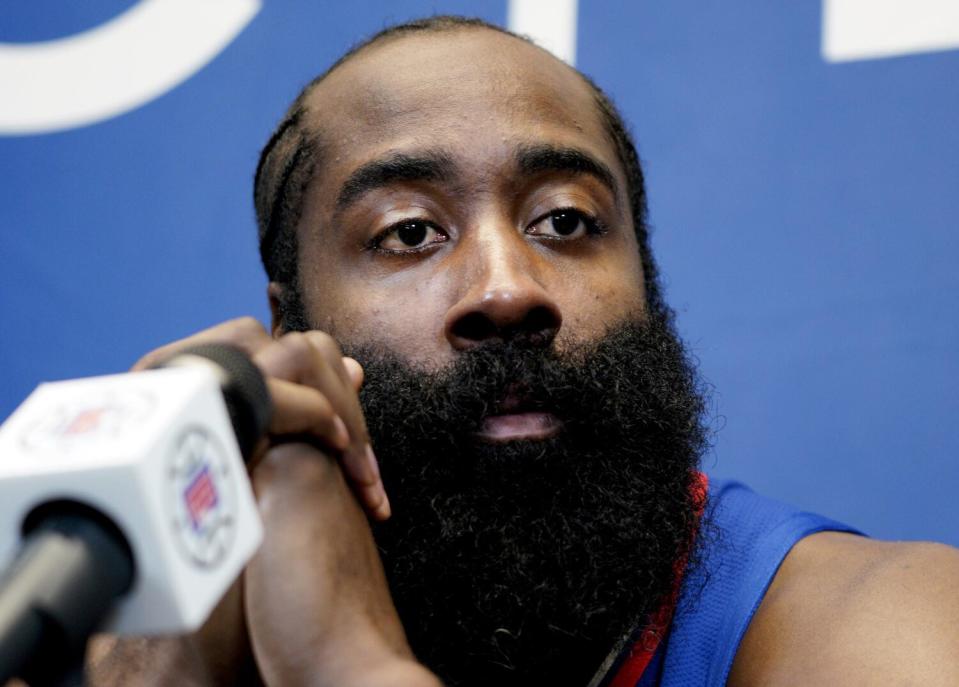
[(314, 359), (373, 496), (348, 402), (245, 333), (359, 462), (303, 410), (327, 346), (376, 501), (293, 357), (354, 370)]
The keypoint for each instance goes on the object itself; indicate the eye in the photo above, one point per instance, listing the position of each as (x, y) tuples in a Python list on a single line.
[(565, 223), (408, 236)]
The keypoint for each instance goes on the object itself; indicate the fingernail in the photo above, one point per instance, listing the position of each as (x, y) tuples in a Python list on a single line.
[(384, 511), (376, 501), (342, 434), (374, 465)]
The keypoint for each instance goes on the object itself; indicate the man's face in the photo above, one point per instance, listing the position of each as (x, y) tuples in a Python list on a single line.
[(467, 237), (467, 191)]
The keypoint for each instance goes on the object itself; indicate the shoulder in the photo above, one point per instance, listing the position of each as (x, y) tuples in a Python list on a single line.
[(843, 609)]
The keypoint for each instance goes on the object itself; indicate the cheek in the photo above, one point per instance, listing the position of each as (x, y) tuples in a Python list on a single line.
[(403, 315), (591, 318), (594, 300)]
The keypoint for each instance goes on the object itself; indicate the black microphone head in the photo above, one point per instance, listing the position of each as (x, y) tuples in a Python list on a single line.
[(244, 390)]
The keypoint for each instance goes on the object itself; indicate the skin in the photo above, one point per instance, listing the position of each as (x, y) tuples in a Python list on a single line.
[(854, 611), (313, 607), (496, 255)]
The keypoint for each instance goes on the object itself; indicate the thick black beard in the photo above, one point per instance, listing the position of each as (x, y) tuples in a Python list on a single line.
[(527, 562)]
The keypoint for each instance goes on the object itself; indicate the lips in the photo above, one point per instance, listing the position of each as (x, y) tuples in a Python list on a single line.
[(516, 418), (519, 426)]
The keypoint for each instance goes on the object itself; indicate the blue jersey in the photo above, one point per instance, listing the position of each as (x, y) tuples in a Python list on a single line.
[(720, 595)]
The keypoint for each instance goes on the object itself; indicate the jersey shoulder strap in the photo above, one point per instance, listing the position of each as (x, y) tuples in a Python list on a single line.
[(740, 552)]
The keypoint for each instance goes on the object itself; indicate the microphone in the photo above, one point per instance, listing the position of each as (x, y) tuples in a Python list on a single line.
[(124, 505)]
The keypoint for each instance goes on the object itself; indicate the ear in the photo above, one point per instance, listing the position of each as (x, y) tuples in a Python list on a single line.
[(275, 293)]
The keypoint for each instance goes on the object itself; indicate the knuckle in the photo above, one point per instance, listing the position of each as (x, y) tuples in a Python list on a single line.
[(244, 329), (151, 359), (297, 345), (325, 343)]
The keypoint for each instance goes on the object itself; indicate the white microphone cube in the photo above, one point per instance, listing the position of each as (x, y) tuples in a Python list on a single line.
[(155, 452)]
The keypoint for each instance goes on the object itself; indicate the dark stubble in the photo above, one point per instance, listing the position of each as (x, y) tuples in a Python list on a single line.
[(526, 562)]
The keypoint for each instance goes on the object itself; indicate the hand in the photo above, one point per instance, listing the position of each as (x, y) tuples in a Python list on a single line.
[(317, 604), (314, 390)]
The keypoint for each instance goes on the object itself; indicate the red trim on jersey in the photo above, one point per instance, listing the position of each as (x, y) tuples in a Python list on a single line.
[(643, 649)]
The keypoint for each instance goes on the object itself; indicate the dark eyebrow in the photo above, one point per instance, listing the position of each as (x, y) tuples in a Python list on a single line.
[(427, 166), (548, 158)]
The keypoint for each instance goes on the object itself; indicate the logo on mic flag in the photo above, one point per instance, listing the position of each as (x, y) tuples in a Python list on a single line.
[(79, 422), (200, 497), (201, 491)]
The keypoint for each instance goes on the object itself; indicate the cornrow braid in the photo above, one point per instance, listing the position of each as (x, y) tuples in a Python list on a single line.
[(289, 158)]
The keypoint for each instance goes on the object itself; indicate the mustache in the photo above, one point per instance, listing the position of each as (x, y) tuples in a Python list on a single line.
[(489, 379), (632, 375)]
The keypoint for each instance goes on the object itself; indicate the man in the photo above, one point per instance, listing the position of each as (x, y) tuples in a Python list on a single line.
[(464, 216)]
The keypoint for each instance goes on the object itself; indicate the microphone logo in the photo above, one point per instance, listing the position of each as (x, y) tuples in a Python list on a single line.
[(201, 494), (80, 422), (201, 497)]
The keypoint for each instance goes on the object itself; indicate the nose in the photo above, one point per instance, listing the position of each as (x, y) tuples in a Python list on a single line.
[(504, 298)]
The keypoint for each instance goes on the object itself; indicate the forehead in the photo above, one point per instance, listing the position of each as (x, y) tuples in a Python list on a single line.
[(475, 92)]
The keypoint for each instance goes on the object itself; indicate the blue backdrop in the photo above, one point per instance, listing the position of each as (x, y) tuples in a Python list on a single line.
[(804, 213)]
